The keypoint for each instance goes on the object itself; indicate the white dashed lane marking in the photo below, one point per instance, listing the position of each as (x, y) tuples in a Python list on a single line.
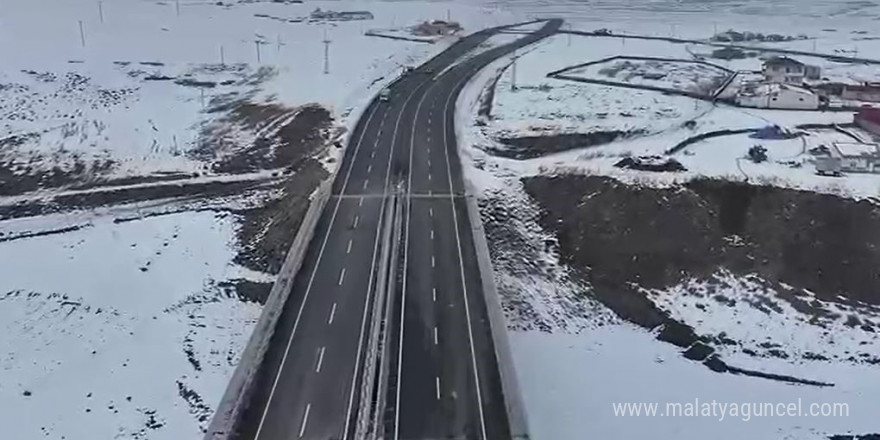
[(321, 359)]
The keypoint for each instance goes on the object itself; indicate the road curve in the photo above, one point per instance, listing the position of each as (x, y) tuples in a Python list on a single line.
[(443, 378)]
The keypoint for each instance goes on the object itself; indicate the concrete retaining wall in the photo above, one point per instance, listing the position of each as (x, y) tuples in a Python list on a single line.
[(498, 323)]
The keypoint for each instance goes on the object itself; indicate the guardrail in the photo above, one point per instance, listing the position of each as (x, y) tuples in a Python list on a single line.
[(228, 411), (516, 415)]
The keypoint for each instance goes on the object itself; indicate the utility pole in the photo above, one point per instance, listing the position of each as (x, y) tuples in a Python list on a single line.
[(569, 34), (177, 7), (222, 57), (257, 44), (278, 47), (101, 11), (448, 15), (715, 23), (513, 73), (82, 34), (326, 52)]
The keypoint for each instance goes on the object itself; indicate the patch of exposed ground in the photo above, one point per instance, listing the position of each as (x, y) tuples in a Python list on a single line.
[(267, 232), (89, 200), (289, 140), (855, 437), (18, 177), (623, 239), (531, 147), (295, 139), (282, 138)]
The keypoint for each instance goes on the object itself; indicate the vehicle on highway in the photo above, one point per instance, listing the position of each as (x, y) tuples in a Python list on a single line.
[(385, 95)]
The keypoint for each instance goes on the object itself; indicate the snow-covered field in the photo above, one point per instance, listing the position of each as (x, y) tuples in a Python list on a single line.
[(120, 329), (126, 321), (131, 329), (545, 106), (117, 92), (574, 357)]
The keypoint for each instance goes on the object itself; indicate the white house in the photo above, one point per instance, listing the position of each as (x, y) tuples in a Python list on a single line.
[(789, 71), (778, 96), (857, 158), (849, 158)]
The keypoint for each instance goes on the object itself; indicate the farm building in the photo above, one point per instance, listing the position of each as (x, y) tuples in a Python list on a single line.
[(319, 14), (868, 119), (778, 96), (868, 92), (850, 158), (789, 71)]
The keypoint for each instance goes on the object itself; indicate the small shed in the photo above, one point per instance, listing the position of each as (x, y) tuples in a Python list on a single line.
[(868, 119), (868, 92)]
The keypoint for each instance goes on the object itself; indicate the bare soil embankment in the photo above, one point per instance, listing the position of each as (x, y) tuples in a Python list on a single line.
[(620, 237)]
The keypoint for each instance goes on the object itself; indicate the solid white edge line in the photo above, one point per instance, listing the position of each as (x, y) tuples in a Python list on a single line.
[(305, 421), (312, 278)]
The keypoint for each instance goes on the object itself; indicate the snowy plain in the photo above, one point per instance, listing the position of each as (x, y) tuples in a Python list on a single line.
[(570, 374), (573, 356), (124, 321)]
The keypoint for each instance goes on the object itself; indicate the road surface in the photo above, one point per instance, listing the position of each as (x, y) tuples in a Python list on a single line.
[(442, 377)]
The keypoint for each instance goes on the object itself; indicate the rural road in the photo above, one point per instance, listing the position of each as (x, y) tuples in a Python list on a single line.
[(441, 379)]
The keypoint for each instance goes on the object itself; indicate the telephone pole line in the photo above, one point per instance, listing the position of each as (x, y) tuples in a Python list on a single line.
[(513, 73), (326, 52)]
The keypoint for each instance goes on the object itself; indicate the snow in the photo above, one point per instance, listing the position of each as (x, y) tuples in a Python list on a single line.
[(122, 321), (152, 125), (745, 310), (854, 149), (108, 314), (570, 381), (675, 75), (654, 123), (572, 356)]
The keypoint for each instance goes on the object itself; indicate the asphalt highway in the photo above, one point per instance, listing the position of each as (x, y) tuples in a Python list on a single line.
[(443, 378)]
